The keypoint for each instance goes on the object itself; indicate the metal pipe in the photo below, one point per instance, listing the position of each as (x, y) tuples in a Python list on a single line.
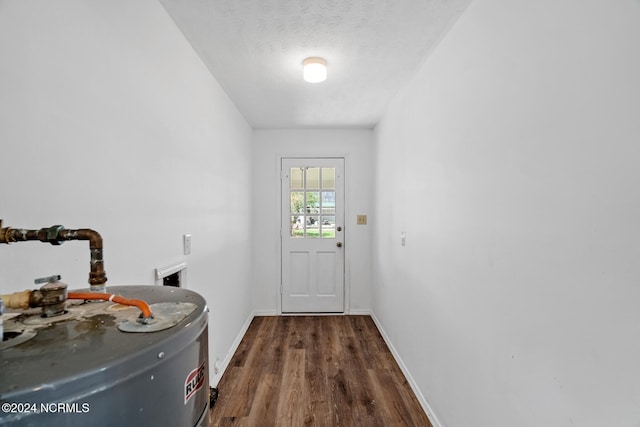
[(57, 235), (52, 297)]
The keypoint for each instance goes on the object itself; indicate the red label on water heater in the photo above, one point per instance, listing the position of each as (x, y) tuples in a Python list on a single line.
[(194, 382)]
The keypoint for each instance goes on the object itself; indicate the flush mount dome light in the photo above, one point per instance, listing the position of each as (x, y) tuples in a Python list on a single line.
[(314, 70)]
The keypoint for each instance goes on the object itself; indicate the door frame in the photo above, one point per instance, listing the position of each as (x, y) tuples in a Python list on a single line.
[(278, 221)]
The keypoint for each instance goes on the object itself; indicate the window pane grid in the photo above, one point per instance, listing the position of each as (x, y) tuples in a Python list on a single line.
[(312, 202)]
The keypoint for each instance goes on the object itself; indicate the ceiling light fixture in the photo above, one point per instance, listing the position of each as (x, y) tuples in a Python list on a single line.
[(314, 70)]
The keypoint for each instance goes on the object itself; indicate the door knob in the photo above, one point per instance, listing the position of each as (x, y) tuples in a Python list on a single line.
[(339, 244)]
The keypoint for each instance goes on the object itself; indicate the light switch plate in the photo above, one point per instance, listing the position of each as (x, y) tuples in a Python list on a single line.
[(186, 243)]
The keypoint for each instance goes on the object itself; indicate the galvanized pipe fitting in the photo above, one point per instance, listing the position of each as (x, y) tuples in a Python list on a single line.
[(52, 297)]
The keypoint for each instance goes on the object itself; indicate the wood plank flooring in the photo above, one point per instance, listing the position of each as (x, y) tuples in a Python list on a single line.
[(316, 371)]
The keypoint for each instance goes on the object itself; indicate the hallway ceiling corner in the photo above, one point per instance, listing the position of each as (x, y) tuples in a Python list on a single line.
[(255, 49)]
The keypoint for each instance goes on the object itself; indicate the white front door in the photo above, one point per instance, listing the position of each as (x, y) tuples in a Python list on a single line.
[(312, 233)]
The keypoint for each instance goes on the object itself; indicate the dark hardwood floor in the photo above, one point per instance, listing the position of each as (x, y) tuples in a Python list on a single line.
[(317, 371)]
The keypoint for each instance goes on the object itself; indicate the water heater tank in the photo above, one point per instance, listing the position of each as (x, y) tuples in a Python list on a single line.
[(97, 365)]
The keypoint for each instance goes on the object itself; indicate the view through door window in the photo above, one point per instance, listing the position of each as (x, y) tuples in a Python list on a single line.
[(313, 202)]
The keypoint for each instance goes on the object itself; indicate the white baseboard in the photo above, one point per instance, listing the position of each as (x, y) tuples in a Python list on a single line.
[(355, 312), (231, 352), (360, 312), (265, 313), (414, 386)]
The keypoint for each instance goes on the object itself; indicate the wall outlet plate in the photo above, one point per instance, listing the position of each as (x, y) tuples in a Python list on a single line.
[(361, 220)]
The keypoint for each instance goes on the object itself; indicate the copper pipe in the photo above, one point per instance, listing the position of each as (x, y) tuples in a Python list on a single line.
[(57, 235)]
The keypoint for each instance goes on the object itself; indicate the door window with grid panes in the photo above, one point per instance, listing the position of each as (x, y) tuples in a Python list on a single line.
[(312, 195)]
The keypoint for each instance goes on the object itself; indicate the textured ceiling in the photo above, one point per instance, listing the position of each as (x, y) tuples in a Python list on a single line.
[(255, 49)]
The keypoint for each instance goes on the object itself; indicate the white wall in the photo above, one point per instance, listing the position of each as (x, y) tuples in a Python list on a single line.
[(511, 162), (109, 120), (355, 145)]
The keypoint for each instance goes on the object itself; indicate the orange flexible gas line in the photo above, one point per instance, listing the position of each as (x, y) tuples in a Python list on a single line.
[(143, 306)]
